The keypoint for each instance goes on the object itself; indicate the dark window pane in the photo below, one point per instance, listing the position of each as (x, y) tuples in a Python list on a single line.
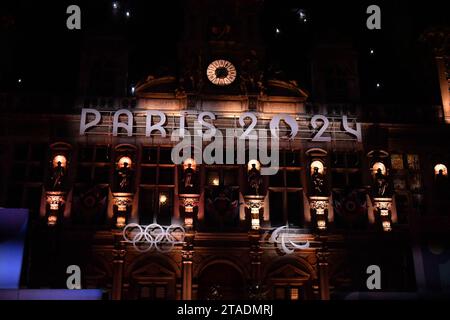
[(21, 152), (148, 175), (150, 155), (84, 174), (293, 178), (19, 171), (101, 174), (14, 199), (276, 209), (277, 180), (402, 204), (166, 176), (339, 180), (354, 179), (293, 159), (38, 152), (36, 173), (415, 182), (295, 208), (338, 160), (231, 177), (353, 160), (102, 154), (165, 156), (34, 201), (146, 205), (85, 154)]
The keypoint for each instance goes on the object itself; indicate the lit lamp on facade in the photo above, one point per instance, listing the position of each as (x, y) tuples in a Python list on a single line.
[(321, 224), (188, 222), (386, 226), (124, 162), (59, 160), (440, 170), (51, 220), (162, 199), (189, 163), (378, 167), (121, 222)]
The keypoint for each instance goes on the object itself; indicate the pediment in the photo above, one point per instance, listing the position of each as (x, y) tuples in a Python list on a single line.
[(152, 270), (289, 271)]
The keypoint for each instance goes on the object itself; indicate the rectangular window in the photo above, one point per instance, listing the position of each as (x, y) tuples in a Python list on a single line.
[(94, 164), (345, 170), (286, 191), (157, 181)]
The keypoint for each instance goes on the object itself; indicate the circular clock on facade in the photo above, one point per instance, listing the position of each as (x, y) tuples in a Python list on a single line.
[(221, 72)]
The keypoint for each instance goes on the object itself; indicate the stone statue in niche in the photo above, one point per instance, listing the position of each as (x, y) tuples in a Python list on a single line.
[(441, 183), (189, 177), (125, 177), (318, 182), (381, 183), (58, 176), (254, 179)]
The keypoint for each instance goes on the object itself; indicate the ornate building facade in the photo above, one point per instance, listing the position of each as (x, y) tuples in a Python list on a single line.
[(361, 184)]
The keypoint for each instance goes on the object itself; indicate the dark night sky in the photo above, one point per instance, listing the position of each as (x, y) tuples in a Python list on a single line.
[(37, 47)]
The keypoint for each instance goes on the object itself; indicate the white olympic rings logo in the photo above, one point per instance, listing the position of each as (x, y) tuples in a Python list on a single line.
[(161, 238)]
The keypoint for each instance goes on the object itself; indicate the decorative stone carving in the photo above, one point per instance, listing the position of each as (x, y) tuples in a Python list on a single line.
[(189, 202), (255, 204), (319, 205), (55, 199), (384, 207), (122, 201)]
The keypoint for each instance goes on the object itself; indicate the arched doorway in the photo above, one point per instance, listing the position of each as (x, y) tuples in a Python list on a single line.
[(221, 281)]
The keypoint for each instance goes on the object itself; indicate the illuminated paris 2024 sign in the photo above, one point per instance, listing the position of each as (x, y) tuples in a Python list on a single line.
[(241, 134)]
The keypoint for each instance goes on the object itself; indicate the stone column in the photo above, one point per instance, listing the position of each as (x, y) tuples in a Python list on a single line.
[(255, 257), (119, 252), (189, 203), (322, 261), (187, 274)]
